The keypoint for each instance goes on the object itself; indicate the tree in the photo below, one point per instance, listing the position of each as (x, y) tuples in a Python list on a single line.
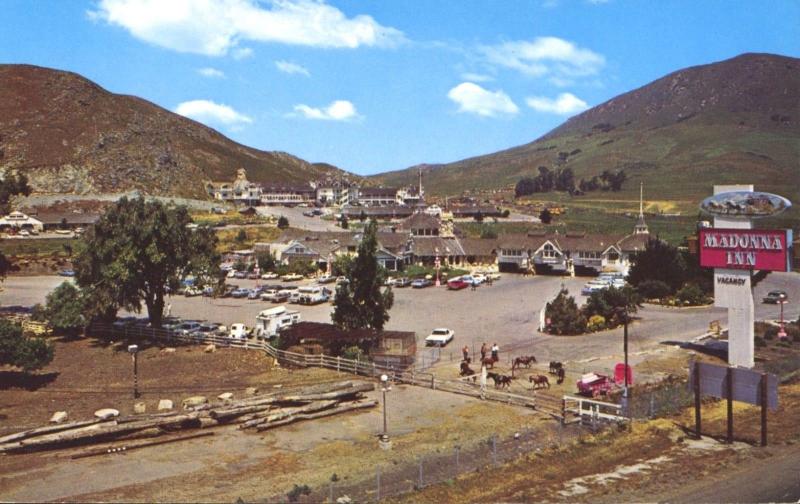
[(266, 261), (359, 302), (488, 231), (17, 350), (136, 251), (64, 310), (341, 266), (283, 222), (545, 216), (564, 315), (344, 222), (613, 304), (241, 236), (658, 261), (525, 187)]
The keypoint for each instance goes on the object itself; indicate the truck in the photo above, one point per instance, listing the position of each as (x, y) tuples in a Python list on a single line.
[(272, 320), (313, 294)]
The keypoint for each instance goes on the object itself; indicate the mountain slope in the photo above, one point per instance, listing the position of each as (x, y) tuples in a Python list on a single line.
[(736, 121), (72, 136)]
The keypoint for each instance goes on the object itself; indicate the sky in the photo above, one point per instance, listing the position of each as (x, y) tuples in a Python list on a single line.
[(384, 85)]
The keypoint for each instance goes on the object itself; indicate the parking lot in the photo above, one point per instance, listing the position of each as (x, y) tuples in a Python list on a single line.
[(506, 313)]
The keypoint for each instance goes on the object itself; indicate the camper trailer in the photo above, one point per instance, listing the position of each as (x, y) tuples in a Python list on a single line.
[(270, 321), (313, 294)]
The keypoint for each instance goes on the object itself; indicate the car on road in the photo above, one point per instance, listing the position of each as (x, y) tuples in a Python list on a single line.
[(402, 282), (457, 284), (291, 277), (241, 275), (775, 297), (421, 283), (240, 293), (67, 273), (269, 276), (439, 337)]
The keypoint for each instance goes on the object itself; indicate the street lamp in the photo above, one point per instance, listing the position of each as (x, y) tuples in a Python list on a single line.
[(782, 301), (134, 351), (385, 387), (437, 264)]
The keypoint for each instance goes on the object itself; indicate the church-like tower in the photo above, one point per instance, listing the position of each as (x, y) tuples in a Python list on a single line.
[(641, 225)]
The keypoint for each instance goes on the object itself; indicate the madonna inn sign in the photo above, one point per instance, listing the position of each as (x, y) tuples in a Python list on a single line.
[(735, 250)]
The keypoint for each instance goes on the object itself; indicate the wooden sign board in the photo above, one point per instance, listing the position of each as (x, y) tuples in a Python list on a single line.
[(746, 384)]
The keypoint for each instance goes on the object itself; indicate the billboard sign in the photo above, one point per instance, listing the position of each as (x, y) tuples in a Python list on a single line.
[(745, 386), (748, 249), (745, 204)]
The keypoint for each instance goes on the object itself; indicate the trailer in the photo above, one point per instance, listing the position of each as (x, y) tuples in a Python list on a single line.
[(270, 322), (594, 385)]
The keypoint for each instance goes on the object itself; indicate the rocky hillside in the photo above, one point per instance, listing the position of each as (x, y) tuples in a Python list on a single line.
[(72, 136), (736, 121)]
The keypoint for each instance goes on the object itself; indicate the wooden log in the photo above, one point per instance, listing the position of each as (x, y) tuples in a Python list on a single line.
[(305, 390), (47, 430), (341, 408), (276, 415)]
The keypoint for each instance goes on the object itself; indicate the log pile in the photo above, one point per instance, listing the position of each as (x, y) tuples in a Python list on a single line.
[(257, 413)]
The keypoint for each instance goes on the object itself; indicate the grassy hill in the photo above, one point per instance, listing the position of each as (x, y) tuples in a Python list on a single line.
[(72, 136), (736, 121)]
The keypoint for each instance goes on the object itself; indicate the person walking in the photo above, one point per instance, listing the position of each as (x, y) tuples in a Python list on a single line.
[(465, 352), (495, 353), (484, 349)]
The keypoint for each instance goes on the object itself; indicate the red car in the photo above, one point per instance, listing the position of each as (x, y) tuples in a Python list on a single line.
[(457, 285)]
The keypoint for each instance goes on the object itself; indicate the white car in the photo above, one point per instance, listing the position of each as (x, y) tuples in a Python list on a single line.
[(238, 331), (291, 277), (439, 337), (594, 286), (479, 277), (269, 276)]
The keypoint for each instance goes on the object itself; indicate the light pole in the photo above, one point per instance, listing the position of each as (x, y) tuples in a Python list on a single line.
[(134, 351), (782, 301), (385, 387), (437, 264)]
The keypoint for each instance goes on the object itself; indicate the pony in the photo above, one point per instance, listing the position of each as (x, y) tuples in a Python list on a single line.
[(525, 360), (539, 381)]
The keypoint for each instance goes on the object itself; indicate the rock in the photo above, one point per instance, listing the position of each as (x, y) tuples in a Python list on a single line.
[(251, 391), (193, 401), (59, 417), (344, 499), (106, 413), (139, 408), (168, 350), (164, 404), (227, 396), (210, 348)]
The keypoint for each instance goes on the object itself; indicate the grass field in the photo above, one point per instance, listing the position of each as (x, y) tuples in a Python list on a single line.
[(37, 247)]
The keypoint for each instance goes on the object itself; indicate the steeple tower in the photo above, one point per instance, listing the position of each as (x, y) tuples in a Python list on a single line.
[(641, 226)]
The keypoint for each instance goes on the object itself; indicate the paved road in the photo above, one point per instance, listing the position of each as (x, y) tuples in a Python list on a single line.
[(297, 219)]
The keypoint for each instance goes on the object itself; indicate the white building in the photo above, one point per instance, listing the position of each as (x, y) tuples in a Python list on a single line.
[(20, 221)]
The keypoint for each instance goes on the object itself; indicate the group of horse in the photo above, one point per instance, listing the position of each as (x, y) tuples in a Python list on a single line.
[(503, 381)]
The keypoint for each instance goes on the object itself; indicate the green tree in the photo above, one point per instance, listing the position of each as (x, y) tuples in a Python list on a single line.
[(613, 304), (341, 266), (344, 223), (564, 315), (283, 222), (64, 310), (488, 231), (658, 261), (266, 261), (29, 354), (359, 303), (241, 236), (136, 251), (546, 216)]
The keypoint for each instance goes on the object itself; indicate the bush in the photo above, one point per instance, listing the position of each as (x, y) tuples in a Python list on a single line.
[(596, 323), (283, 222), (611, 304), (64, 309), (266, 261), (353, 353), (653, 289), (545, 216), (691, 295), (565, 316), (28, 354), (241, 236), (759, 342), (506, 213)]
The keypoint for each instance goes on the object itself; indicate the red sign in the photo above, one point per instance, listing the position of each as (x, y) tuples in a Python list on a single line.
[(745, 249)]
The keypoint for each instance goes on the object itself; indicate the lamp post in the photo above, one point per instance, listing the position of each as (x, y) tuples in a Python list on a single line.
[(437, 264), (384, 441), (134, 351), (782, 301)]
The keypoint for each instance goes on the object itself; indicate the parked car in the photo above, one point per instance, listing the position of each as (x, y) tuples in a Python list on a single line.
[(457, 284), (192, 291), (67, 273), (775, 297), (240, 293), (254, 293), (122, 323), (24, 232), (311, 295), (280, 297), (269, 276), (206, 329), (479, 277), (402, 282), (241, 275), (253, 275), (325, 279), (421, 283), (291, 277), (187, 327), (439, 337), (470, 280), (229, 290), (239, 331), (593, 286), (294, 296)]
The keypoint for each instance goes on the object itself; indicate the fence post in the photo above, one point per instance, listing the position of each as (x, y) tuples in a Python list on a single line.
[(494, 449), (458, 449), (378, 484), (433, 382)]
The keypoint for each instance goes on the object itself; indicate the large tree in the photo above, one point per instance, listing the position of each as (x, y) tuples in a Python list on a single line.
[(22, 352), (658, 261), (64, 310), (359, 302), (136, 251)]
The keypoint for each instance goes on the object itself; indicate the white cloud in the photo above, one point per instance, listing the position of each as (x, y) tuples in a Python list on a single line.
[(214, 27), (208, 112), (339, 110), (476, 100), (211, 73), (564, 104), (476, 77), (560, 60), (292, 68), (241, 53)]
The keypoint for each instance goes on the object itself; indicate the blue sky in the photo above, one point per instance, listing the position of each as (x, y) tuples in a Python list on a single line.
[(378, 86)]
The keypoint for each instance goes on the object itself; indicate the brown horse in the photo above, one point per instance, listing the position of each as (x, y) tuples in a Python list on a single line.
[(560, 374), (555, 366), (539, 381), (500, 381), (525, 360), (488, 362), (465, 369)]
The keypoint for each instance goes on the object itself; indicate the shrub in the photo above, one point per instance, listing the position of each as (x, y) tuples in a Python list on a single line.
[(653, 289), (353, 353), (691, 295), (241, 236), (759, 342), (283, 222), (506, 213), (565, 316), (64, 309), (596, 323), (545, 216), (609, 303), (28, 354)]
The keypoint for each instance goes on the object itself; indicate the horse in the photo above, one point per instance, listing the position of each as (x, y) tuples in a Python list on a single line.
[(539, 380), (488, 362), (499, 380), (555, 366), (525, 360), (560, 374), (465, 369)]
